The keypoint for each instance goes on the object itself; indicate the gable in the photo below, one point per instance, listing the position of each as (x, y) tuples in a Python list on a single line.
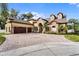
[(52, 22)]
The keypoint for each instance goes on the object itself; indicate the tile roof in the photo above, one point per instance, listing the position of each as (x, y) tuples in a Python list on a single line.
[(19, 21), (61, 21)]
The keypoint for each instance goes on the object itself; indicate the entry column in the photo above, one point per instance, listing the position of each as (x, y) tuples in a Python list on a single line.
[(26, 30), (12, 30)]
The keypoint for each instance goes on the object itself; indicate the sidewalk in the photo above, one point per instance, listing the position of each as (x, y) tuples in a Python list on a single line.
[(45, 49)]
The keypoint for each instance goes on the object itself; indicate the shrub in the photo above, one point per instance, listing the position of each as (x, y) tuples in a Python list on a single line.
[(62, 29)]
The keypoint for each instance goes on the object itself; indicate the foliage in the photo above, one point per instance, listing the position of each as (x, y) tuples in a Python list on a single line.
[(29, 15), (46, 26), (2, 38), (62, 29), (23, 16), (77, 27), (4, 6), (70, 27), (14, 13), (2, 22), (4, 10), (40, 27), (73, 20), (4, 14), (75, 24), (3, 33), (65, 29)]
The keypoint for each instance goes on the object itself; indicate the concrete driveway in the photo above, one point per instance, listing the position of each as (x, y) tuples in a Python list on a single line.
[(45, 49), (14, 41)]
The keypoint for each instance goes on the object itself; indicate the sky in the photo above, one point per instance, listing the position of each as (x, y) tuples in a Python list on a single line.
[(71, 10)]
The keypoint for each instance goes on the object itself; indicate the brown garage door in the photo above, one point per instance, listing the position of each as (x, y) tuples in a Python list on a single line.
[(19, 30), (29, 30)]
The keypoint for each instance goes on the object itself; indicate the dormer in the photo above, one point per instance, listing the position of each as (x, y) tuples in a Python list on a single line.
[(60, 15), (52, 17)]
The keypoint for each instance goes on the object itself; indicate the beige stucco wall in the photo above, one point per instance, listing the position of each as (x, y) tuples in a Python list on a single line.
[(8, 28), (56, 27), (53, 29), (21, 25), (51, 18), (38, 22)]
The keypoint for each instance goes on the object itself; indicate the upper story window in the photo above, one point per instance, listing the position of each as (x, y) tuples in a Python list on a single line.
[(52, 17), (60, 16)]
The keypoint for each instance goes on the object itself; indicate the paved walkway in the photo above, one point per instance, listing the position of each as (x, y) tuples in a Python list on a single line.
[(15, 41), (45, 49)]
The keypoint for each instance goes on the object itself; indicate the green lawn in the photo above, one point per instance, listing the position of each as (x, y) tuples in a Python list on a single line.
[(73, 37), (2, 38)]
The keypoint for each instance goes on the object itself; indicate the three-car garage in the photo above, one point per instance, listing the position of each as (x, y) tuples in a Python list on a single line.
[(22, 30), (15, 27)]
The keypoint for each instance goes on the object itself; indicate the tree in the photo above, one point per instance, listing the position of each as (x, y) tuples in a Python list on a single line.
[(2, 23), (4, 10), (4, 15), (29, 15), (74, 21), (23, 16), (14, 13), (40, 27), (45, 27)]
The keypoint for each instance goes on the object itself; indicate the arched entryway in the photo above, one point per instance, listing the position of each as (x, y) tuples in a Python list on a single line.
[(40, 28)]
